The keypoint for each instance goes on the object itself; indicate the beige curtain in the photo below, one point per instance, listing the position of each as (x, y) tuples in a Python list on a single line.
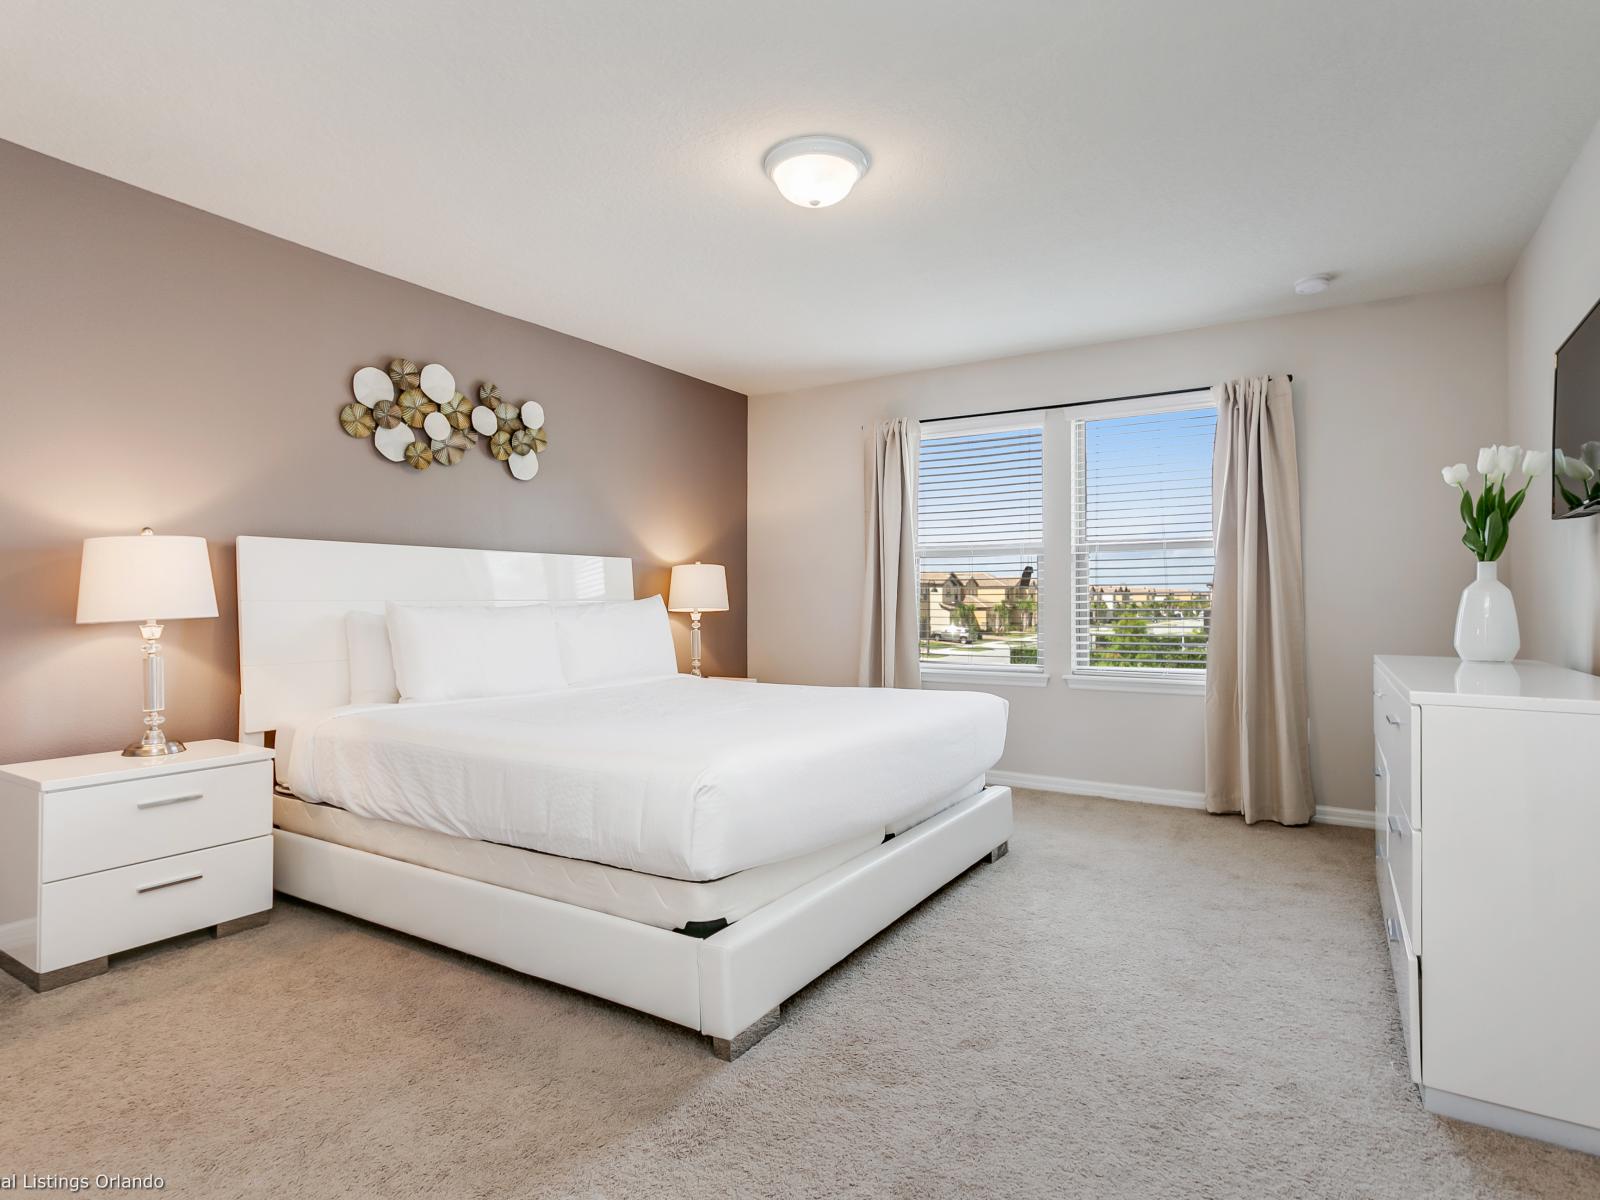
[(1258, 755), (889, 602)]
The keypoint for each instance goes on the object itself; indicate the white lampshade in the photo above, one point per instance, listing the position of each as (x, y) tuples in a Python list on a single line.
[(698, 587), (145, 578)]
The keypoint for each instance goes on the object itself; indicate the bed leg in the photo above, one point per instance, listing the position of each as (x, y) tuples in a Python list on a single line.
[(999, 852), (728, 1049)]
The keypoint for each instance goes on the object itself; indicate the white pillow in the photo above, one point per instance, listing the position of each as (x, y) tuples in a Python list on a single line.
[(626, 639), (371, 663), (462, 651)]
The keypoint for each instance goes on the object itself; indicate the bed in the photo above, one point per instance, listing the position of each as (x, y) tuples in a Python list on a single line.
[(696, 849)]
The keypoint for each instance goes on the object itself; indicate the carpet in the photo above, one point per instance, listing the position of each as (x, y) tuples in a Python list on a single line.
[(1136, 1002)]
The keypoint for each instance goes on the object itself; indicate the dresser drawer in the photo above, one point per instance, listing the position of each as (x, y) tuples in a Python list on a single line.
[(1407, 976), (1403, 854), (1392, 720), (113, 824), (110, 911)]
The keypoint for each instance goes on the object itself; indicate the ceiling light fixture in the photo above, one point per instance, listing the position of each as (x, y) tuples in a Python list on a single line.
[(1312, 284), (817, 170)]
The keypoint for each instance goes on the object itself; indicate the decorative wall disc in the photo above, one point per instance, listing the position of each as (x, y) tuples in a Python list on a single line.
[(533, 414), (450, 451), (415, 407), (436, 425), (438, 384), (489, 393), (419, 456), (458, 411), (387, 414), (372, 385), (404, 374), (483, 420), (508, 416), (357, 420), (522, 441), (392, 441), (500, 445), (524, 466)]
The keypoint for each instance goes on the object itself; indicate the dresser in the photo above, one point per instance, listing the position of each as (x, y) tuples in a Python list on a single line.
[(102, 853), (1488, 865)]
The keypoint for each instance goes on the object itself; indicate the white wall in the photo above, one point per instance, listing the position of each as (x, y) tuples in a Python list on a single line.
[(1555, 565), (1385, 394)]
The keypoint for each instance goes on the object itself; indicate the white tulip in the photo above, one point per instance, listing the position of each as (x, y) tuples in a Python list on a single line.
[(1486, 459), (1455, 476), (1573, 468), (1534, 462), (1506, 460)]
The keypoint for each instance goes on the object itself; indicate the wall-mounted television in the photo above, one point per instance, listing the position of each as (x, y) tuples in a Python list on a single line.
[(1577, 425)]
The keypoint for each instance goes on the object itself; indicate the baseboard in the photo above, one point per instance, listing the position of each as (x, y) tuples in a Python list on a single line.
[(1357, 818), (1171, 797)]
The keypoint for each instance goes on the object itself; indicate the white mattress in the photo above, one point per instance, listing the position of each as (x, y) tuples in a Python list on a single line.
[(632, 895), (686, 778)]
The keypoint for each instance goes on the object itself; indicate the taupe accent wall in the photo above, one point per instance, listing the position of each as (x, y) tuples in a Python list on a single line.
[(161, 366)]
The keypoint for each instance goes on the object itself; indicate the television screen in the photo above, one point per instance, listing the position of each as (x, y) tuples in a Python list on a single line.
[(1575, 471)]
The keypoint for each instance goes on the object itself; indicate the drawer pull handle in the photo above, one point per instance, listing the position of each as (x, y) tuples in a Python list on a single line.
[(1377, 772), (1392, 928), (1391, 720), (166, 800), (166, 883), (1396, 828)]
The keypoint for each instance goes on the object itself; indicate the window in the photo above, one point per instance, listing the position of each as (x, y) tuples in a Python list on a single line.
[(1141, 545), (980, 533)]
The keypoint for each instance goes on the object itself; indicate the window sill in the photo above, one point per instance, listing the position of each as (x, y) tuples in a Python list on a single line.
[(987, 676), (1124, 683)]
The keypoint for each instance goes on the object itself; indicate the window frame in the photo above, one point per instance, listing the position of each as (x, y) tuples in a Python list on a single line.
[(1121, 679), (998, 674)]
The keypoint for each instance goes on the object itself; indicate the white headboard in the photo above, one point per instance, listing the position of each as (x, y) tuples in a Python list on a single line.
[(294, 594)]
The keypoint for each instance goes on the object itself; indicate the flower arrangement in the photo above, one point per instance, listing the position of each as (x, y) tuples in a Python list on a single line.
[(1488, 518), (1579, 478)]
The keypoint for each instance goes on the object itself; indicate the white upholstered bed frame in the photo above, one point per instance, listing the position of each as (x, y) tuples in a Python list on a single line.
[(293, 597)]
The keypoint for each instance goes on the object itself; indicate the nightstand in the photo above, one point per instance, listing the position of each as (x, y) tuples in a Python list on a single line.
[(102, 853)]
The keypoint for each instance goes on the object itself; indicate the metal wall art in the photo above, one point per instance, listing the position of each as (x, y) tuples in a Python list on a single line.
[(417, 417)]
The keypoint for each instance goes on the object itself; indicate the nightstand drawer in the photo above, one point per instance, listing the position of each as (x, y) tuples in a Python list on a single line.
[(113, 824), (110, 911)]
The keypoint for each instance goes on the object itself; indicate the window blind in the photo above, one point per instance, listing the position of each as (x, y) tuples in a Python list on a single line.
[(1142, 544), (980, 533)]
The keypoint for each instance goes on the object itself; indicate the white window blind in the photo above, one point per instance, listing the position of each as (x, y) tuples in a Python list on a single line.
[(980, 531), (1141, 544)]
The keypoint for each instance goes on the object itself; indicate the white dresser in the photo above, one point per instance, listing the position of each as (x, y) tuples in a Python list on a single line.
[(102, 853), (1488, 815)]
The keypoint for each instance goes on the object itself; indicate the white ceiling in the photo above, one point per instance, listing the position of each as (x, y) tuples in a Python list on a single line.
[(1044, 174)]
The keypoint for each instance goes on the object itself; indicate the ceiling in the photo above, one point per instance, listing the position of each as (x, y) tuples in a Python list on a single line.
[(1044, 174)]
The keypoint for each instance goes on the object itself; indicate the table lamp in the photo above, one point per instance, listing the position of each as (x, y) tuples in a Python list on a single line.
[(147, 579), (697, 588)]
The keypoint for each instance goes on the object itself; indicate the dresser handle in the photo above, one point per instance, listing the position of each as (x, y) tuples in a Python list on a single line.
[(1395, 827), (1391, 720), (166, 883), (1392, 928), (165, 800), (1377, 772)]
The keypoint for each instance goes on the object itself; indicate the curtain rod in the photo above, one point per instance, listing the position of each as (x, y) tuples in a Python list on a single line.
[(1006, 412)]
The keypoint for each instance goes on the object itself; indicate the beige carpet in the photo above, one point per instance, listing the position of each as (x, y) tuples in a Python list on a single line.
[(1137, 1002)]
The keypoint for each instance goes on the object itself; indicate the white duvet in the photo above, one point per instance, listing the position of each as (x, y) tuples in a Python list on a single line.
[(678, 776)]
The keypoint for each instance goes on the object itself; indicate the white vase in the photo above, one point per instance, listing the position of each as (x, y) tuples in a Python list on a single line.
[(1486, 622)]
